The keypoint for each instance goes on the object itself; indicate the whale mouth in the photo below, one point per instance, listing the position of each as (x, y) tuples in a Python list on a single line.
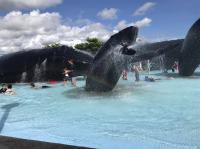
[(128, 51)]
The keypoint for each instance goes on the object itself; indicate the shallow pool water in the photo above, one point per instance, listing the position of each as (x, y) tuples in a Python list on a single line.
[(148, 115)]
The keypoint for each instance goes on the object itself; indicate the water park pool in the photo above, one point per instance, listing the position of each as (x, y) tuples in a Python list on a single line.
[(164, 114)]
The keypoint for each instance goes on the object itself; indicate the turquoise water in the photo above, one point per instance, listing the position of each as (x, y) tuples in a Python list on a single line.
[(145, 115)]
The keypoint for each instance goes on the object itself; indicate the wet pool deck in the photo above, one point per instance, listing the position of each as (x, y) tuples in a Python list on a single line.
[(16, 143)]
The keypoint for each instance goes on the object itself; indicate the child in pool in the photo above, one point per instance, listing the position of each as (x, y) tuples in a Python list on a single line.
[(9, 90)]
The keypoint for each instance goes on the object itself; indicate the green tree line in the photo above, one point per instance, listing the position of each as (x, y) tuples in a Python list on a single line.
[(91, 45)]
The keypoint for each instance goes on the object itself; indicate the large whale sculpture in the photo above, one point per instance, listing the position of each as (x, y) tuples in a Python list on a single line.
[(13, 65), (190, 51), (109, 62), (103, 70), (185, 51)]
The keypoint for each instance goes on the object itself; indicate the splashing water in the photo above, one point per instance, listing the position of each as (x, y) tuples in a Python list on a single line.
[(40, 71), (23, 77)]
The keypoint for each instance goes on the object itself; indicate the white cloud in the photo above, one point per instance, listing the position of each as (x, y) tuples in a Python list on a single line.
[(25, 4), (144, 8), (141, 23), (121, 25), (108, 13), (34, 30)]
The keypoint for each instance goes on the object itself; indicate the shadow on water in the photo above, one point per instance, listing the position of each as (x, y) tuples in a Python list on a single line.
[(7, 108)]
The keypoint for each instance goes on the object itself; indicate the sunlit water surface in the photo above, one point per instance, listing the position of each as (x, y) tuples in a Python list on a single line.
[(145, 115)]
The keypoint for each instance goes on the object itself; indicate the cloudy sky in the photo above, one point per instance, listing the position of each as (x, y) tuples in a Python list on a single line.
[(26, 24)]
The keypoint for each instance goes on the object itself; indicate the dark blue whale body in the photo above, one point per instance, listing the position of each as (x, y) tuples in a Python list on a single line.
[(103, 70), (190, 51), (13, 65)]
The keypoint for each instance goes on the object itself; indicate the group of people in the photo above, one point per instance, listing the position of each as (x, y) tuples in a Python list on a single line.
[(7, 89), (68, 70), (136, 69)]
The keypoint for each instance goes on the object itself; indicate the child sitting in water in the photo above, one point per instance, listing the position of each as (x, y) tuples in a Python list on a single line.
[(9, 90)]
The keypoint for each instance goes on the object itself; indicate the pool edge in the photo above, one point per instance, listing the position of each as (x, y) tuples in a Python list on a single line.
[(18, 143)]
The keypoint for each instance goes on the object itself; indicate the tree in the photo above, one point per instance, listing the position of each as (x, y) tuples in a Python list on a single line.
[(91, 45)]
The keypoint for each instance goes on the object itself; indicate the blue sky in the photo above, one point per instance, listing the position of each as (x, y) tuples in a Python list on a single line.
[(165, 19), (170, 18)]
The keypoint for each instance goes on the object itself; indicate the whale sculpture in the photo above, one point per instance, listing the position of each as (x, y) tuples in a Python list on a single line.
[(13, 65), (104, 69), (109, 62), (185, 51), (190, 51)]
